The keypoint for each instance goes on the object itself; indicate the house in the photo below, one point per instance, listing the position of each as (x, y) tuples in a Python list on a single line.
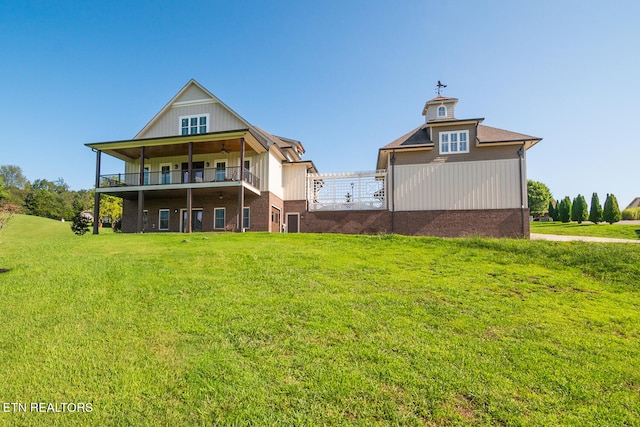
[(452, 177), (199, 166), (635, 203)]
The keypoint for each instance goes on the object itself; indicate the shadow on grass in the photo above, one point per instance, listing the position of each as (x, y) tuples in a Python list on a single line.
[(637, 233)]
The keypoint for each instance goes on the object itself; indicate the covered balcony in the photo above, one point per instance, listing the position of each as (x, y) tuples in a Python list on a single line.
[(176, 166)]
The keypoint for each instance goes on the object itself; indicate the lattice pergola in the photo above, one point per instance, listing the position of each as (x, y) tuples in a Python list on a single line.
[(347, 191)]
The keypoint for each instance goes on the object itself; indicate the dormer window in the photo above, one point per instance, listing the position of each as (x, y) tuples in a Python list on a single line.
[(442, 112), (193, 125)]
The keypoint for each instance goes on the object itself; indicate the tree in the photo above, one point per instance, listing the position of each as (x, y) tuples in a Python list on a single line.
[(3, 194), (611, 211), (110, 208), (16, 185), (552, 210), (556, 211), (538, 196), (579, 211), (80, 224), (595, 213), (13, 176), (564, 211)]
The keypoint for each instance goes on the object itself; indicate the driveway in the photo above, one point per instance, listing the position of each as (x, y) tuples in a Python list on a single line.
[(557, 238)]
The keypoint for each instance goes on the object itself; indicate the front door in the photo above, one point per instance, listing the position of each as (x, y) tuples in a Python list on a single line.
[(196, 220), (293, 223)]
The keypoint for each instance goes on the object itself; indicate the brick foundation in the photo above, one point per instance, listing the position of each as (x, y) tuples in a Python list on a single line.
[(446, 223)]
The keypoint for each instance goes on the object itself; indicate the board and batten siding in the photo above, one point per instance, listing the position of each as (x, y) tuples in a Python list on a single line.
[(295, 182), (461, 185), (220, 119)]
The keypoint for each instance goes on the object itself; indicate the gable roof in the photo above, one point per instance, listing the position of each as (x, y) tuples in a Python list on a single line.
[(416, 137), (635, 203), (191, 84)]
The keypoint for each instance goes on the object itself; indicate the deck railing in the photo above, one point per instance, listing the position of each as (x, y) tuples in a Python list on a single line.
[(199, 175), (346, 191)]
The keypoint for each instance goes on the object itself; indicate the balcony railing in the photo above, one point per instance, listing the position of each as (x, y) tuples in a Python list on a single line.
[(178, 177)]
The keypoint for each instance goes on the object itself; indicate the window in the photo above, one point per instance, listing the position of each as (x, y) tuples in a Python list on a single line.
[(218, 219), (145, 180), (165, 174), (221, 170), (245, 218), (454, 142), (163, 222), (442, 111), (193, 125)]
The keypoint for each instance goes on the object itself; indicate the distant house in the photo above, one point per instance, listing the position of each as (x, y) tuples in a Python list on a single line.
[(634, 204), (200, 166)]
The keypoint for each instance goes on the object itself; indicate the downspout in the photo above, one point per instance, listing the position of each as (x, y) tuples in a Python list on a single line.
[(393, 191), (521, 154)]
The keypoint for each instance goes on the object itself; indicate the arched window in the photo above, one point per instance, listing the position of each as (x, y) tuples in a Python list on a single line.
[(442, 111)]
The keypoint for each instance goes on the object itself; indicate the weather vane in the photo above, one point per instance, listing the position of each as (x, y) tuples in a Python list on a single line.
[(440, 87)]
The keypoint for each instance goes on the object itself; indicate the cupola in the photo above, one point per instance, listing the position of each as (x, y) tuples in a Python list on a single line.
[(440, 107)]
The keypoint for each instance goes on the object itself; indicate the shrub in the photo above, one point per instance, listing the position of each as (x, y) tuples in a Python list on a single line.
[(80, 224), (611, 211), (631, 214), (564, 212), (595, 213), (579, 211)]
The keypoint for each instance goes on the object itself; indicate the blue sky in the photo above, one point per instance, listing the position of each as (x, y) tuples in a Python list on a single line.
[(343, 77)]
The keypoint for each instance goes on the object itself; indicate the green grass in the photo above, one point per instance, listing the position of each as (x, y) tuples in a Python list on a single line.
[(271, 329), (618, 231)]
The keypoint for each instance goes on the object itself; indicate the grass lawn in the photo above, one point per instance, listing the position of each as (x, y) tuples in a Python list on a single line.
[(617, 230), (275, 329)]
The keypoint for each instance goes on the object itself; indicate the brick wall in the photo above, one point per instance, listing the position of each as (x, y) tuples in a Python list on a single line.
[(448, 223)]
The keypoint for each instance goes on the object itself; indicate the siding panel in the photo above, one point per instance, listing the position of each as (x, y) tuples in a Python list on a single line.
[(220, 119), (458, 186)]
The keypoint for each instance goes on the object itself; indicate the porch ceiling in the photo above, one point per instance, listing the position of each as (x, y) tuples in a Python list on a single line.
[(179, 145)]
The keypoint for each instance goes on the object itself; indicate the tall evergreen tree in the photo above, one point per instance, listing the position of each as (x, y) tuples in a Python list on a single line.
[(565, 210), (611, 211), (552, 210), (595, 213), (579, 210)]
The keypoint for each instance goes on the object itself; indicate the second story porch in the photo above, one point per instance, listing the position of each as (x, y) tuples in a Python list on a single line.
[(220, 159)]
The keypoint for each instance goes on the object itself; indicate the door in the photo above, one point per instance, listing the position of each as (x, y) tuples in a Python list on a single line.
[(221, 170), (293, 223), (275, 220), (165, 174), (196, 220), (197, 170)]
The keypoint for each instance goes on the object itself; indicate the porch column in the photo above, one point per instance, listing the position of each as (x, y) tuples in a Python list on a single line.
[(96, 196), (241, 188), (140, 226), (187, 226)]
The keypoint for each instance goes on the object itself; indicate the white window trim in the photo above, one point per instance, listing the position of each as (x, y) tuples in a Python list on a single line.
[(182, 212), (248, 209), (190, 117), (449, 133), (438, 111), (215, 168), (224, 218), (160, 219), (160, 172)]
